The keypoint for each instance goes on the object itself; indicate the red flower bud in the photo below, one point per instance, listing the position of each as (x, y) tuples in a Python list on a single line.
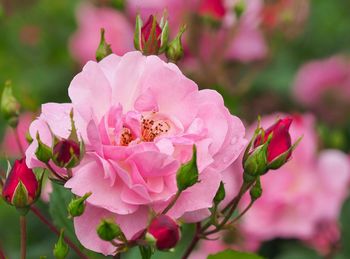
[(280, 141), (165, 231), (20, 176), (66, 153), (150, 34), (214, 9)]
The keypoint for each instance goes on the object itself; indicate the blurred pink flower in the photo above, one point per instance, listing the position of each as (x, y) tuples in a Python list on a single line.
[(139, 118), (119, 32), (9, 144), (249, 43), (317, 79), (308, 190)]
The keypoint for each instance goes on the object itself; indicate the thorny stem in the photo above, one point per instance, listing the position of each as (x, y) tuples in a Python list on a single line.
[(23, 225), (57, 232), (194, 241), (171, 204)]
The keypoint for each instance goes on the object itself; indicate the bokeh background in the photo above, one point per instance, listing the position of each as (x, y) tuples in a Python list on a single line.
[(37, 54)]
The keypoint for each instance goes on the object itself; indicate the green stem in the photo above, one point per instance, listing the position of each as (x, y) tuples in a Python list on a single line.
[(23, 224), (171, 204), (69, 242), (242, 213)]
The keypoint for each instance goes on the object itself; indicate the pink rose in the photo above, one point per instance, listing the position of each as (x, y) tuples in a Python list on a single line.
[(308, 190), (119, 32), (10, 145), (317, 79), (139, 118), (249, 43)]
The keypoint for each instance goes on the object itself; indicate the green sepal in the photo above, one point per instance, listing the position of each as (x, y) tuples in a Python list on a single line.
[(43, 152), (146, 251), (187, 175), (137, 34), (164, 37), (220, 194), (104, 49), (61, 249), (20, 197)]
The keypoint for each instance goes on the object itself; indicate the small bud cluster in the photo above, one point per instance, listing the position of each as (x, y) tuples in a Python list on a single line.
[(64, 153), (152, 38)]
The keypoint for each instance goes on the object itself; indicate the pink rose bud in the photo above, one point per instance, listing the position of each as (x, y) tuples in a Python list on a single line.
[(21, 187), (280, 142), (66, 153), (165, 231), (213, 9), (151, 38)]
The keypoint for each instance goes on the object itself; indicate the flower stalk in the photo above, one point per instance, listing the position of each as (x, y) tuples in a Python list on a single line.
[(23, 226)]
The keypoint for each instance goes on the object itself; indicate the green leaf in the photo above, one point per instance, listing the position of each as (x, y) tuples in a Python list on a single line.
[(187, 175), (228, 254), (59, 200)]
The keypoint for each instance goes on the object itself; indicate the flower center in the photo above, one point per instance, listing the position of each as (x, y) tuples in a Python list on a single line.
[(126, 137), (151, 128)]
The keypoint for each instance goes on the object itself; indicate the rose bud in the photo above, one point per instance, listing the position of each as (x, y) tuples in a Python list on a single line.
[(66, 153), (271, 149), (175, 51), (165, 231), (10, 107), (21, 187), (108, 230), (103, 49), (213, 10), (151, 38), (76, 207)]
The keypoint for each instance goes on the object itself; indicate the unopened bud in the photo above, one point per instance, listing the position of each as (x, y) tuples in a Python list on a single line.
[(187, 175), (10, 107), (175, 51), (108, 230), (239, 8), (76, 207), (21, 187), (151, 38), (66, 153), (61, 249), (104, 49), (165, 231)]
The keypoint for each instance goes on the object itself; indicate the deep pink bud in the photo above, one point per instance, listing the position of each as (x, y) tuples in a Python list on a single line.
[(165, 231), (20, 173), (280, 141), (66, 153), (149, 35), (214, 9)]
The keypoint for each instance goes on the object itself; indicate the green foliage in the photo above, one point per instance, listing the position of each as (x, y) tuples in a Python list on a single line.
[(228, 254)]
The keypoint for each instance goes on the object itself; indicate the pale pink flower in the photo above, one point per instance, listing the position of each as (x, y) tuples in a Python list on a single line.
[(317, 79), (139, 118), (118, 32), (9, 144), (308, 190)]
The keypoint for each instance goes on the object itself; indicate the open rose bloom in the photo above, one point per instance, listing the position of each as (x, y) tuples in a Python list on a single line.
[(139, 118)]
